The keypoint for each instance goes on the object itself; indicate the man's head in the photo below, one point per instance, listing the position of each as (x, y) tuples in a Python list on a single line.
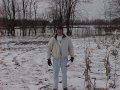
[(59, 30)]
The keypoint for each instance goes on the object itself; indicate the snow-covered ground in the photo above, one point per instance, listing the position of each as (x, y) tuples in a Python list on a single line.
[(23, 64)]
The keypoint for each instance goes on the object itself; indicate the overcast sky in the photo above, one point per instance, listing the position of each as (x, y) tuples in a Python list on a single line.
[(94, 10)]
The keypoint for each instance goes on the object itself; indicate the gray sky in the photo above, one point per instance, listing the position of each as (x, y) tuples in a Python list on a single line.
[(94, 10)]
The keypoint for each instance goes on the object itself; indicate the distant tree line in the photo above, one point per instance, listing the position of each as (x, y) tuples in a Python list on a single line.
[(24, 14), (39, 22), (97, 22), (19, 23), (16, 11)]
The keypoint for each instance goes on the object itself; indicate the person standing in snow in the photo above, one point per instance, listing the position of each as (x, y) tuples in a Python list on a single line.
[(60, 47)]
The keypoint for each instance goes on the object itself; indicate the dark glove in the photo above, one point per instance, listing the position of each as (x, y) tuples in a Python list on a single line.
[(49, 62), (72, 59)]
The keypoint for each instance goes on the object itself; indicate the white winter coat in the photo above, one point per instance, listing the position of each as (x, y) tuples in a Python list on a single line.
[(53, 48)]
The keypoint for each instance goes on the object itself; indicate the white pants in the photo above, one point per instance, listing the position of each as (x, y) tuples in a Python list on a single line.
[(57, 64)]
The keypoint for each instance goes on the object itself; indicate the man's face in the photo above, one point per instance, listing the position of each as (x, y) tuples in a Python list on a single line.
[(59, 32)]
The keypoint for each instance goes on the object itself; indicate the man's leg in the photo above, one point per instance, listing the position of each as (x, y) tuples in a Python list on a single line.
[(56, 69), (64, 71)]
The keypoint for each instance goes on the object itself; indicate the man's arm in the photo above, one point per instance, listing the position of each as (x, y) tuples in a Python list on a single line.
[(49, 51), (70, 47), (49, 48)]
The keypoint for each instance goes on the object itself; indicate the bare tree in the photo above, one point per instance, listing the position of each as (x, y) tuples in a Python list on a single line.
[(70, 6), (10, 13), (1, 10), (29, 11), (116, 8), (30, 8), (109, 14), (35, 8), (21, 11), (63, 11), (13, 10), (24, 17)]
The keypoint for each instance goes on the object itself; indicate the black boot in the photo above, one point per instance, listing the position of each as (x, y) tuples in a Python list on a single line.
[(65, 89), (55, 89)]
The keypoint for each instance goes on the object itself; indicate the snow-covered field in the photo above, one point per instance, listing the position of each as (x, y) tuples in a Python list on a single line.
[(23, 64)]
